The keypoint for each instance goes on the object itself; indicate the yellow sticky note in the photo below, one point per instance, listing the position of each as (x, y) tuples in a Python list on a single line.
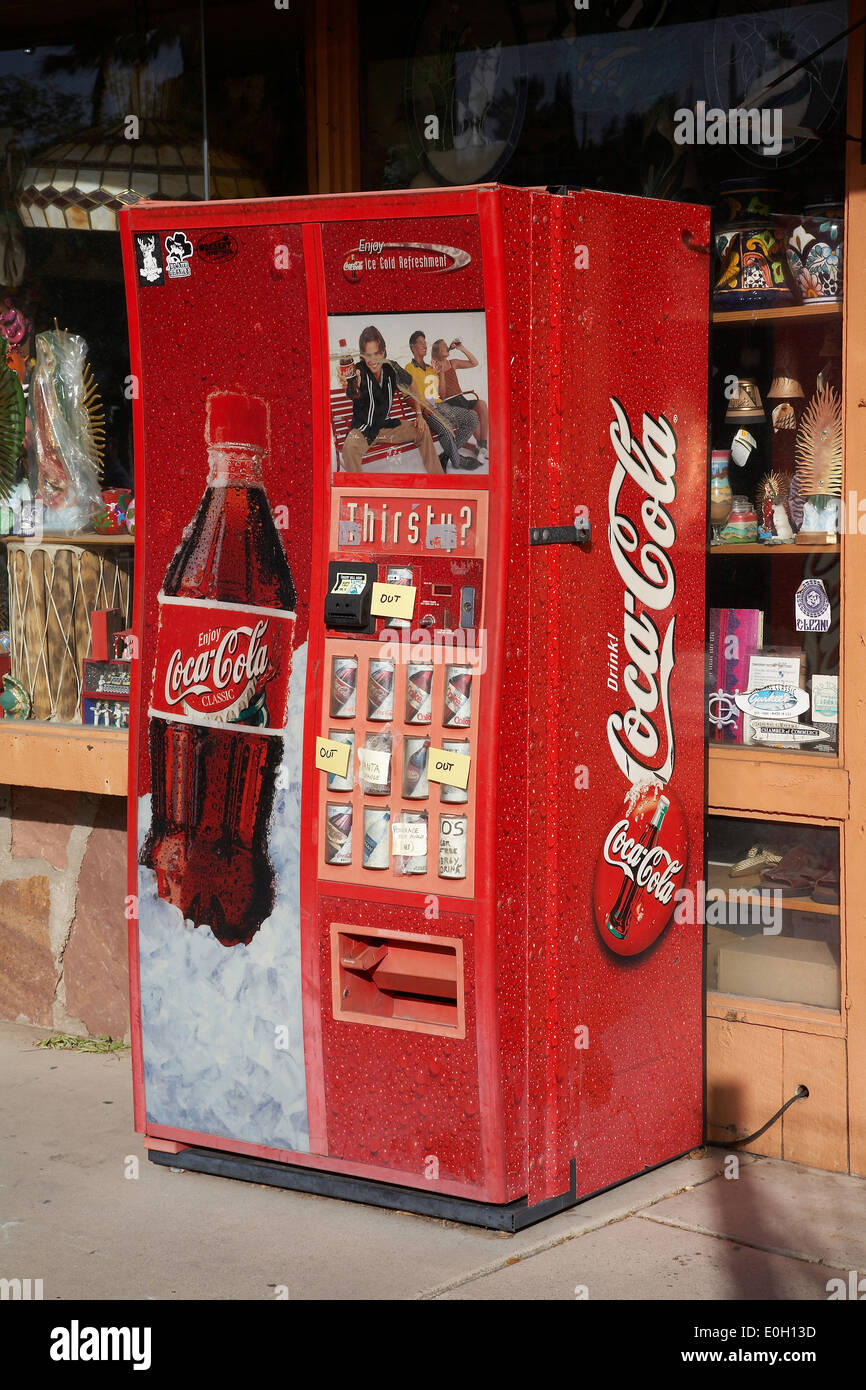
[(393, 600), (332, 756), (450, 768)]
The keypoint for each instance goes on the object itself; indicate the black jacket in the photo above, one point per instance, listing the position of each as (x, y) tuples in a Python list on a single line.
[(371, 407)]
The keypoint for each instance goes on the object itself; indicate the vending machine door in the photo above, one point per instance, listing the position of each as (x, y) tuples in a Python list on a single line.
[(619, 759)]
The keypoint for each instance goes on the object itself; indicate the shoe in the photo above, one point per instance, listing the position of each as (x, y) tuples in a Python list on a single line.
[(796, 875), (826, 890), (469, 464), (483, 455), (759, 857)]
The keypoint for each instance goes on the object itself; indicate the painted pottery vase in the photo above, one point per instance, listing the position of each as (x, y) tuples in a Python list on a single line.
[(815, 254), (752, 269)]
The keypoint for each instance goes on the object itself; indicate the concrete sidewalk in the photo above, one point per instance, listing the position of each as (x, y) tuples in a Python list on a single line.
[(78, 1211)]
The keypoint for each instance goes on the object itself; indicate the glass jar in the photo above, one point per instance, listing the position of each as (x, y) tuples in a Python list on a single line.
[(720, 491), (742, 524)]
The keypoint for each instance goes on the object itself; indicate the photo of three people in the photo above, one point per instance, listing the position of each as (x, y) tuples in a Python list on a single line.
[(408, 410)]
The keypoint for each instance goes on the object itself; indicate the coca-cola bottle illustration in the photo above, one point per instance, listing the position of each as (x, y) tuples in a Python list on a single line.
[(619, 918), (219, 702)]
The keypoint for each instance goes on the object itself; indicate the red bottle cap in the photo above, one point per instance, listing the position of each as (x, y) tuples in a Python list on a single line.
[(234, 418)]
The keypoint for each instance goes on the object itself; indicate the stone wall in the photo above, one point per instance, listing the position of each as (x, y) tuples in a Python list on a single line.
[(63, 934)]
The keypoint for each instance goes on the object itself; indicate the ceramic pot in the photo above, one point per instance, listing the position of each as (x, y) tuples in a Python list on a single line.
[(750, 249), (815, 254)]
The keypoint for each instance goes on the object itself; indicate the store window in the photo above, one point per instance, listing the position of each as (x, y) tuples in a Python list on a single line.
[(742, 107), (98, 110), (772, 911)]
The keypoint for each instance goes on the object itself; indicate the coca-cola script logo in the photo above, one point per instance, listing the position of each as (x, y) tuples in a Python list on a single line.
[(643, 863), (226, 679), (222, 663), (650, 585)]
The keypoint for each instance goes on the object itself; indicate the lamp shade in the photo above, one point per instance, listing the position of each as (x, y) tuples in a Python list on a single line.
[(785, 388), (746, 404), (83, 182)]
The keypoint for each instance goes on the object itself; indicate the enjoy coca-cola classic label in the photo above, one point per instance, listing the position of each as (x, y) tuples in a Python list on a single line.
[(644, 857), (222, 663)]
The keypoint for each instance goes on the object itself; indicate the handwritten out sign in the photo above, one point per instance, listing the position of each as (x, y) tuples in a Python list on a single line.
[(450, 768), (393, 600), (332, 756)]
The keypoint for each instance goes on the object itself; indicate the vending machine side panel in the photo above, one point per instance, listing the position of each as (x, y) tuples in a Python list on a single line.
[(217, 1015), (631, 611)]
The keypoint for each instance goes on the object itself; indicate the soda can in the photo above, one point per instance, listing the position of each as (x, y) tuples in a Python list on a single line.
[(343, 784), (446, 793), (380, 690), (419, 693), (458, 696), (344, 687), (377, 829), (376, 743), (338, 833), (411, 863), (398, 574), (452, 846), (415, 784)]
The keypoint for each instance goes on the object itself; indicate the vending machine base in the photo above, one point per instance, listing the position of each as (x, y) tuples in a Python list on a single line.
[(511, 1218)]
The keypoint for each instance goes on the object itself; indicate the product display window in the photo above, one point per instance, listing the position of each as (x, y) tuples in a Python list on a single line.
[(771, 908)]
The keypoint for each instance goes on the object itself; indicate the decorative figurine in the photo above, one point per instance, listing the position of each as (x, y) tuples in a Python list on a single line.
[(818, 455), (66, 432), (773, 525)]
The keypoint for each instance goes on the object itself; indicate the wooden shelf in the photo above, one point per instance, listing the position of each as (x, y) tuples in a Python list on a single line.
[(799, 312), (81, 538), (717, 877), (802, 786), (775, 1013), (786, 548), (66, 757)]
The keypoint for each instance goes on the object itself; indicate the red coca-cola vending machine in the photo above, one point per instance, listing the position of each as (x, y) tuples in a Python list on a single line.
[(417, 766)]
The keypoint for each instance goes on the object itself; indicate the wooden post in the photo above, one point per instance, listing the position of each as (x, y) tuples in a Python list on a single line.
[(333, 109), (852, 709)]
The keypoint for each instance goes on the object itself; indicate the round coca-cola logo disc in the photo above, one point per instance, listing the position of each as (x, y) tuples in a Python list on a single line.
[(641, 866)]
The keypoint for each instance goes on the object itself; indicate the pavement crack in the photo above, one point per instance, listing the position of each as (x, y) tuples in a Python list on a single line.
[(699, 1230)]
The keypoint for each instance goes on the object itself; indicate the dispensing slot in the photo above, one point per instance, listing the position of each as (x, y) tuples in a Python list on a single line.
[(398, 981)]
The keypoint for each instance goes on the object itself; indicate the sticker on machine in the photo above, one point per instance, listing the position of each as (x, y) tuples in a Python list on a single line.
[(148, 259), (178, 249), (641, 867)]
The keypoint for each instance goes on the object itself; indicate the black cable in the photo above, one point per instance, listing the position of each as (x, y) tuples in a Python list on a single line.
[(801, 1093)]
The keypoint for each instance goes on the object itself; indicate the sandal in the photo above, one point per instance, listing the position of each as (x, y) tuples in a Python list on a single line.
[(796, 874), (759, 857), (826, 890)]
